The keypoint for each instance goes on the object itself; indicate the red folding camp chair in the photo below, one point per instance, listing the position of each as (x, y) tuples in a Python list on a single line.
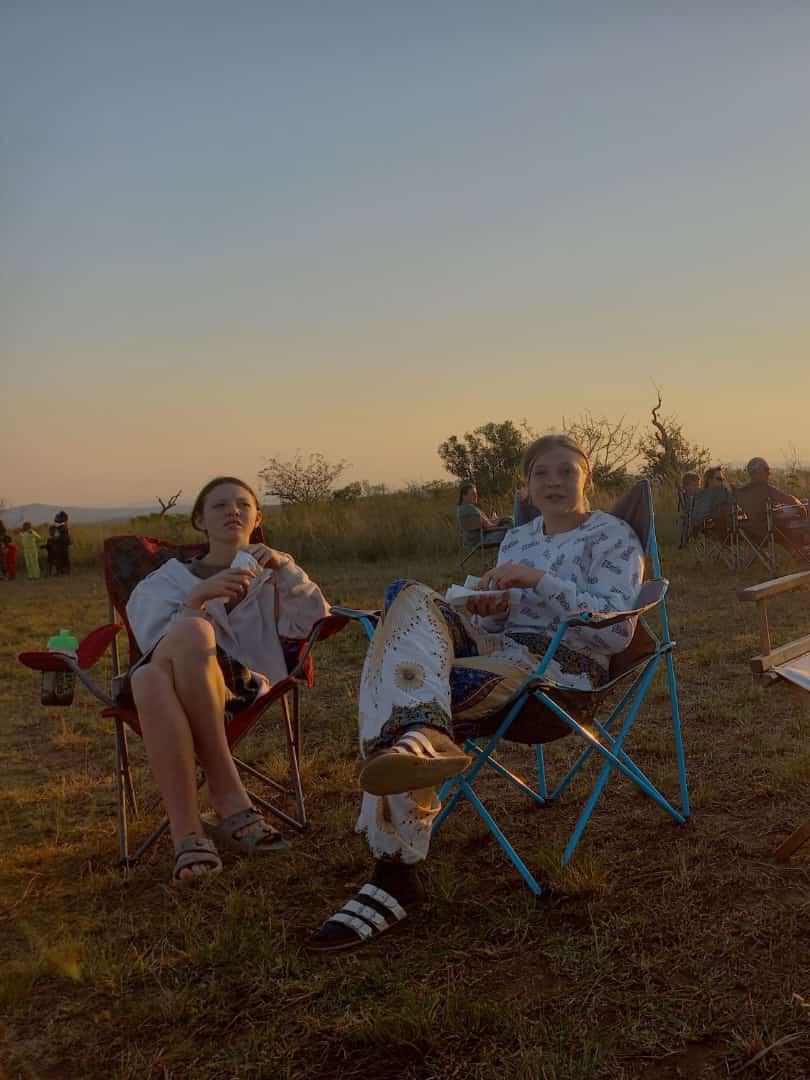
[(127, 560)]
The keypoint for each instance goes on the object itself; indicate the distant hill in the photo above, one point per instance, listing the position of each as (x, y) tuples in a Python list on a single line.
[(39, 513)]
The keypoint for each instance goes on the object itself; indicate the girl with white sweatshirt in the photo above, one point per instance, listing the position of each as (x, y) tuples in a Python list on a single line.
[(210, 632)]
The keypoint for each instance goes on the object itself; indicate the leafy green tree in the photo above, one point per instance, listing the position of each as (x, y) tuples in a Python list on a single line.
[(489, 455), (300, 481)]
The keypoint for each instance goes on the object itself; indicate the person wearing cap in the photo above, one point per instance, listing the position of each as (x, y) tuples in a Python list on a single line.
[(753, 498)]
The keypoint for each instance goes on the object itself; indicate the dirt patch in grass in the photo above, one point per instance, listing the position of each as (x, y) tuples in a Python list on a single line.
[(663, 952)]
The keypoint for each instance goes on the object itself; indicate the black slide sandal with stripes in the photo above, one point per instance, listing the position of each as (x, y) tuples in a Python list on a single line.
[(371, 911)]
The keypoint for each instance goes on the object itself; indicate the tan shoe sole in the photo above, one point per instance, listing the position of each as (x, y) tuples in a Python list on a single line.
[(393, 774)]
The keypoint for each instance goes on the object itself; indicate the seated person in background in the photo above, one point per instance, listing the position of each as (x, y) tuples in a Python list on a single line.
[(711, 504), (433, 676), (754, 497), (472, 519), (210, 637)]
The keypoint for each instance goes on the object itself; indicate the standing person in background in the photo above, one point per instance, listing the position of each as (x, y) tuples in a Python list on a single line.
[(50, 548), (62, 545), (5, 539), (8, 555), (30, 543)]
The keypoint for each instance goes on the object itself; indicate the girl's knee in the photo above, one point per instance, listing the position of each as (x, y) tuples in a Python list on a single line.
[(148, 682), (190, 636)]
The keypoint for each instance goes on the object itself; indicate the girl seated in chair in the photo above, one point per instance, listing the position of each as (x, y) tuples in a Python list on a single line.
[(434, 677), (209, 630)]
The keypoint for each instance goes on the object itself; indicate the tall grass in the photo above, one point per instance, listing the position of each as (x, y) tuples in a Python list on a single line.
[(379, 528)]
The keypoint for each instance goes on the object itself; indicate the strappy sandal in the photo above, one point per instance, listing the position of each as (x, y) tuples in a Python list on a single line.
[(368, 914), (195, 851), (256, 836), (413, 762)]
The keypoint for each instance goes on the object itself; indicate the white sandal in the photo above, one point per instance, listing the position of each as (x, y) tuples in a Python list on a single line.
[(411, 763)]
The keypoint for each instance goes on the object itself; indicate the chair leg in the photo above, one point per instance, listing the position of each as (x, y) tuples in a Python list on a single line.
[(292, 729), (127, 774), (680, 755), (120, 792), (508, 850)]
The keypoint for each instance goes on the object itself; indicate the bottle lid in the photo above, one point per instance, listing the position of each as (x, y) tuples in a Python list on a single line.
[(64, 641)]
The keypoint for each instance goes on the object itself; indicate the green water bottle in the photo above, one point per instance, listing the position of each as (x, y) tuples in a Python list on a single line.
[(58, 686)]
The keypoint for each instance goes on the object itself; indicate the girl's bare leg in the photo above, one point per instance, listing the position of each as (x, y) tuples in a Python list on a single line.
[(180, 697)]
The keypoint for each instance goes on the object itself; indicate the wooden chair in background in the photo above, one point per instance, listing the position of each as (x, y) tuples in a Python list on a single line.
[(789, 662)]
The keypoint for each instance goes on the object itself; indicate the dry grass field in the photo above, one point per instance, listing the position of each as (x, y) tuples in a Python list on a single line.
[(662, 952)]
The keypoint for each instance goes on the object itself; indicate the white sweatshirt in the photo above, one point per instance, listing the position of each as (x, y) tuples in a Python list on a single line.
[(598, 566), (247, 633)]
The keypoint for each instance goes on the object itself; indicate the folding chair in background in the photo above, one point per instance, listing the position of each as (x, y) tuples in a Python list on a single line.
[(715, 539), (127, 560), (755, 538), (482, 545), (791, 529), (636, 667), (785, 663), (522, 510)]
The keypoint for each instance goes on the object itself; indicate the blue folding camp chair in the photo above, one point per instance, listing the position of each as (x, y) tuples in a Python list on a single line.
[(639, 663), (522, 510)]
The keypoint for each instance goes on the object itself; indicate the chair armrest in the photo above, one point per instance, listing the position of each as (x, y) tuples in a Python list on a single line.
[(767, 589), (53, 661), (46, 661), (368, 619), (90, 650), (650, 596), (321, 630)]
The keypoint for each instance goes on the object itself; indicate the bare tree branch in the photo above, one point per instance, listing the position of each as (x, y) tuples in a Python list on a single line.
[(166, 506)]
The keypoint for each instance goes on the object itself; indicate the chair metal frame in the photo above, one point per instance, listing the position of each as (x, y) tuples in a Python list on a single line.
[(749, 549), (599, 737), (481, 547), (286, 693)]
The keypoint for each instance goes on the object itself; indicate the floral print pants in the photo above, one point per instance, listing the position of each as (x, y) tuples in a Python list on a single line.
[(429, 665)]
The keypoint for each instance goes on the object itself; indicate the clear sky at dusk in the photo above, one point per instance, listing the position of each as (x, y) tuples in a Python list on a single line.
[(237, 230)]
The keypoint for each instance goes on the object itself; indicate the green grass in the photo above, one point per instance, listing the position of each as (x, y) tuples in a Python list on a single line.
[(662, 952)]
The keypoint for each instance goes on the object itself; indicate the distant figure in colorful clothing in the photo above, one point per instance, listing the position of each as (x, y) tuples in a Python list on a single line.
[(472, 519), (30, 543), (434, 676), (8, 554), (62, 542)]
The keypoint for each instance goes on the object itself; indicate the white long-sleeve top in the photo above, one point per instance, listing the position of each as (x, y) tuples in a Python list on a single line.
[(248, 632), (598, 566)]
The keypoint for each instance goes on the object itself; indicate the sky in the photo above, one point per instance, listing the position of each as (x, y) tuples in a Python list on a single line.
[(243, 230)]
